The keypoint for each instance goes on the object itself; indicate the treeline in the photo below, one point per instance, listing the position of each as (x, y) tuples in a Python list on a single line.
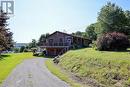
[(28, 48)]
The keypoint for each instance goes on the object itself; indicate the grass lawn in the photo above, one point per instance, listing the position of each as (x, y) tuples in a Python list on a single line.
[(9, 62), (109, 68), (58, 72)]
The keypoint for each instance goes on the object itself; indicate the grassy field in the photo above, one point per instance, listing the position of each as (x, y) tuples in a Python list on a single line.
[(9, 61), (58, 72), (111, 69)]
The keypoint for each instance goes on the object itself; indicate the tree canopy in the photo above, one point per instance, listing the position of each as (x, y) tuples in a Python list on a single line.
[(42, 38), (6, 41), (112, 18), (32, 44), (90, 30)]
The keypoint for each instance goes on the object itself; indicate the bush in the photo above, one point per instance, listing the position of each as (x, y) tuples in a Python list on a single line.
[(22, 48), (16, 50), (113, 42), (25, 50), (93, 45)]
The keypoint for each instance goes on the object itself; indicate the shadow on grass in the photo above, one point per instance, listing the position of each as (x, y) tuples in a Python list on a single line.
[(2, 57), (124, 51)]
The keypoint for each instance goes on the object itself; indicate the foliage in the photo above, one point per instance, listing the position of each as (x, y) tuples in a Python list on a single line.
[(106, 67), (27, 50), (128, 83), (112, 18), (42, 39), (33, 44), (91, 32), (113, 41), (16, 50), (127, 14), (10, 61), (94, 45), (5, 35), (22, 49), (77, 33)]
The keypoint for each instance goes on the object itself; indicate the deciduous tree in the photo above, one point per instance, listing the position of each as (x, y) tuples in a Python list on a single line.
[(42, 39), (90, 30), (111, 18)]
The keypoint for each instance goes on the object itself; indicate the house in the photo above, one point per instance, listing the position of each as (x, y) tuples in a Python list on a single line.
[(58, 43)]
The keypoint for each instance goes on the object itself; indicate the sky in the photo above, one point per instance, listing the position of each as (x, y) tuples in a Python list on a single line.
[(35, 17)]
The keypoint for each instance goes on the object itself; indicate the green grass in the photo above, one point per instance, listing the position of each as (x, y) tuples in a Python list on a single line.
[(63, 76), (107, 68), (9, 62)]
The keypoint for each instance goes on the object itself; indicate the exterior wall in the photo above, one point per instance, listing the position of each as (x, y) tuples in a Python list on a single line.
[(59, 39)]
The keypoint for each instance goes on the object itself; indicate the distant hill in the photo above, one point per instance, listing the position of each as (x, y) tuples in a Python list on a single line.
[(19, 45)]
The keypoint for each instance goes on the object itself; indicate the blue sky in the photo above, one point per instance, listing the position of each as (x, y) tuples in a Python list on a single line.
[(35, 17)]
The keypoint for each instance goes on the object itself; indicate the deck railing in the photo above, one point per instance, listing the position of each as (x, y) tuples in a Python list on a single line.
[(56, 44)]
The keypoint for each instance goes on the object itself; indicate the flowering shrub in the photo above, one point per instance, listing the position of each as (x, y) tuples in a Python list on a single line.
[(113, 42)]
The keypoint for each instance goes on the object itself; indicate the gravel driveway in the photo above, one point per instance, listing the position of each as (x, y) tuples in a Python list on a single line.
[(32, 73)]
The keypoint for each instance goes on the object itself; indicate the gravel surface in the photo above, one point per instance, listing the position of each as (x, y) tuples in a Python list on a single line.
[(33, 73)]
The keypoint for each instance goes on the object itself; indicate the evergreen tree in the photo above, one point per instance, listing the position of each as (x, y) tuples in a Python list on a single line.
[(5, 35)]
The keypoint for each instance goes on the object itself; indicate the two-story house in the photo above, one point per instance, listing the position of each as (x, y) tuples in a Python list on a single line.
[(58, 43)]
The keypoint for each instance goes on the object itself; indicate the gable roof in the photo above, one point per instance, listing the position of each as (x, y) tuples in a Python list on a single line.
[(68, 35)]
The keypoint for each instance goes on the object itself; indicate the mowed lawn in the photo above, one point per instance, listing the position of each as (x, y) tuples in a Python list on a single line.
[(9, 61), (108, 68)]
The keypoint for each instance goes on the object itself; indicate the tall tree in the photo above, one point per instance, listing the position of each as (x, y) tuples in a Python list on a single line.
[(22, 49), (42, 39), (6, 41), (127, 27), (33, 44), (78, 33), (127, 14), (111, 18), (90, 30)]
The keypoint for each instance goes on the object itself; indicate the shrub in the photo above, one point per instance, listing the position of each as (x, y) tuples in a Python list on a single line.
[(22, 48), (127, 83), (113, 42), (16, 50), (93, 45)]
